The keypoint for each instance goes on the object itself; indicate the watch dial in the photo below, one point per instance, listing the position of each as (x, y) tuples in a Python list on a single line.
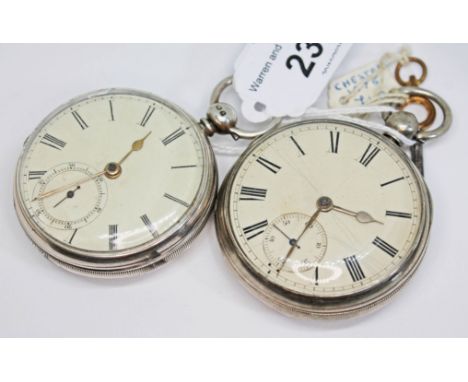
[(325, 209), (111, 172)]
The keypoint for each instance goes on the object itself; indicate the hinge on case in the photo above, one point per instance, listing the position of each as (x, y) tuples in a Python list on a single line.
[(416, 152)]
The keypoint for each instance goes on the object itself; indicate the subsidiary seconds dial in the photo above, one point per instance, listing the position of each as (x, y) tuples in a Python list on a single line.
[(74, 205), (282, 238)]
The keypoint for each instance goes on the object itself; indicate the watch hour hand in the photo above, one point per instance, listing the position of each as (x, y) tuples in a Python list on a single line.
[(360, 216), (364, 217), (136, 146), (111, 171)]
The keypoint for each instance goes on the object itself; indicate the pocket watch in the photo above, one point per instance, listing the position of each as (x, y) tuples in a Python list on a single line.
[(327, 218), (115, 182)]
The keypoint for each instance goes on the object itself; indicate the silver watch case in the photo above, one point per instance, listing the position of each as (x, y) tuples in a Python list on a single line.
[(141, 258), (297, 305)]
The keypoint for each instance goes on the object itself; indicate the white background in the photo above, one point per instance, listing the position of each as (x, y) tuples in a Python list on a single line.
[(197, 294)]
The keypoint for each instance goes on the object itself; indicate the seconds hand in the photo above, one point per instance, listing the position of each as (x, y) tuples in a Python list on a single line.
[(69, 195), (323, 204), (292, 242)]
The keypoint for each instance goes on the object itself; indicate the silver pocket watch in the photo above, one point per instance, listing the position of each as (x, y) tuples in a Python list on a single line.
[(326, 218), (319, 218), (115, 183)]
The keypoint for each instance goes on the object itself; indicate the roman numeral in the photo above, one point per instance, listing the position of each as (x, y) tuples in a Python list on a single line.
[(354, 268), (174, 199), (255, 229), (384, 246), (72, 236), (252, 193), (111, 110), (33, 175), (274, 168), (80, 120), (392, 181), (369, 154), (173, 136), (147, 116), (184, 166), (297, 145), (113, 235), (51, 141), (149, 225), (334, 141), (396, 214)]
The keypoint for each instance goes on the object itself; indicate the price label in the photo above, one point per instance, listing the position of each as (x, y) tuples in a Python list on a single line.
[(276, 80)]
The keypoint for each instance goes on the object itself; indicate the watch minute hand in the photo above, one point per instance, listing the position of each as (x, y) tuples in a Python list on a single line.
[(68, 186)]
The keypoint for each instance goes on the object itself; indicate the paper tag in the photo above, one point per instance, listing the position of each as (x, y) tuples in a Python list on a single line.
[(276, 80), (358, 87)]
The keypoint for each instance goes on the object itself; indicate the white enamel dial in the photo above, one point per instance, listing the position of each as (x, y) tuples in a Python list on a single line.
[(349, 207), (110, 172)]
